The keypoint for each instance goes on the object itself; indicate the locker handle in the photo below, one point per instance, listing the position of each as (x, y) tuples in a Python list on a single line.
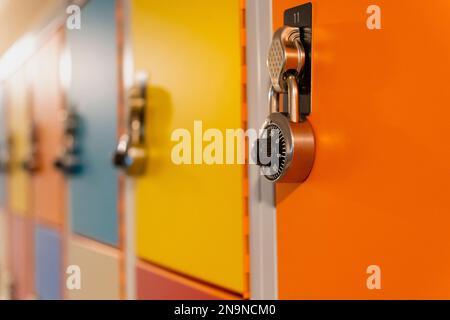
[(130, 155), (31, 163), (5, 156), (69, 162)]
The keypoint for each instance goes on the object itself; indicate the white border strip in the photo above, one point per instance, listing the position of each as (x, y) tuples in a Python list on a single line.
[(129, 219), (263, 236)]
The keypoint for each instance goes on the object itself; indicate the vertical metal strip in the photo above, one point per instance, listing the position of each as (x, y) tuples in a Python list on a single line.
[(65, 78), (120, 130), (129, 193), (263, 237)]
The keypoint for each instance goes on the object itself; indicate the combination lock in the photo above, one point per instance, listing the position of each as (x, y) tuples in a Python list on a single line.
[(286, 148), (131, 154), (69, 161)]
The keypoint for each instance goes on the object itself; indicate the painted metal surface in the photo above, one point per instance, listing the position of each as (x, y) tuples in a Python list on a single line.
[(93, 193), (3, 238), (22, 262), (3, 205), (48, 262), (3, 142), (190, 217), (378, 193), (4, 257), (19, 118), (47, 185), (129, 221), (99, 266), (156, 284)]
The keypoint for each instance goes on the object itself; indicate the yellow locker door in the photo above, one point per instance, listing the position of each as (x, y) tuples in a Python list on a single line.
[(190, 217), (19, 123)]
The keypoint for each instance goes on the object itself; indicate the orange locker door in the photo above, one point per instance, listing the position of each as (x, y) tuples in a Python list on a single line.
[(3, 149), (47, 185), (4, 261), (3, 214), (47, 188), (377, 198), (21, 253)]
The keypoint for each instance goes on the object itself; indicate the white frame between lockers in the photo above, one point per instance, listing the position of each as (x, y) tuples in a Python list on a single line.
[(263, 235)]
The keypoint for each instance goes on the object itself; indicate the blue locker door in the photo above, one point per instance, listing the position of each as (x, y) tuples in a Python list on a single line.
[(48, 263), (93, 93)]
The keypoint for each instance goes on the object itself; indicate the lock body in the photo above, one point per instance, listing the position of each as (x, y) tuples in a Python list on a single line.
[(291, 155), (287, 142), (130, 158)]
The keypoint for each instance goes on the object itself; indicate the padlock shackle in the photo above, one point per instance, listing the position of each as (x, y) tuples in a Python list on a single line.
[(274, 100), (293, 96)]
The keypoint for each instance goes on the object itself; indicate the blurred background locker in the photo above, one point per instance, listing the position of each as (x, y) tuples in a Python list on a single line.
[(190, 220), (48, 188), (65, 105), (93, 191)]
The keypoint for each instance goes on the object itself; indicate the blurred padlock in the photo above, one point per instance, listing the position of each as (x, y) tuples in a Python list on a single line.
[(69, 161), (31, 163), (131, 155), (5, 155)]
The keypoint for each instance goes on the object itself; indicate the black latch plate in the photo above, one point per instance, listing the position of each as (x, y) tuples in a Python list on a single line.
[(301, 17)]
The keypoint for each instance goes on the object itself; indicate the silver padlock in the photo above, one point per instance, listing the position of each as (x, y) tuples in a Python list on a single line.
[(287, 144)]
